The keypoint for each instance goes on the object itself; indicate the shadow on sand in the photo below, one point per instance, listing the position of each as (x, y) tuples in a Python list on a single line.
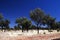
[(56, 39)]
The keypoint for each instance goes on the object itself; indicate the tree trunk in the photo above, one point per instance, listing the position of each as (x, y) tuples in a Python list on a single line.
[(22, 29), (37, 29), (49, 27), (27, 29), (2, 27)]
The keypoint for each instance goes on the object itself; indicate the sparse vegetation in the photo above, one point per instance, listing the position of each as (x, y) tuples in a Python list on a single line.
[(37, 16)]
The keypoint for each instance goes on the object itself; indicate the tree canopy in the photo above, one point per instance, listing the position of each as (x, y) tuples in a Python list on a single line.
[(24, 22)]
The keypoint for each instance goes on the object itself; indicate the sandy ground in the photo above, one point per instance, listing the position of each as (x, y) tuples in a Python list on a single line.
[(31, 35)]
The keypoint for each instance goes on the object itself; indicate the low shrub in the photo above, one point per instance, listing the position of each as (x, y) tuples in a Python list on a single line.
[(44, 33), (58, 30), (50, 30)]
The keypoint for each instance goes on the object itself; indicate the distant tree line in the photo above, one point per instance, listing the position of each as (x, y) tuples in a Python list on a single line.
[(4, 23), (37, 16)]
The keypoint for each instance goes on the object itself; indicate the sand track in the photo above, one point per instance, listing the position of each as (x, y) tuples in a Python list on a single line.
[(4, 36)]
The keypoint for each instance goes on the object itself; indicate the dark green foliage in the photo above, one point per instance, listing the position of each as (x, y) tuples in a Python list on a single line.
[(11, 28), (4, 24), (32, 27), (1, 17), (58, 25), (24, 22), (37, 16), (50, 21), (17, 27)]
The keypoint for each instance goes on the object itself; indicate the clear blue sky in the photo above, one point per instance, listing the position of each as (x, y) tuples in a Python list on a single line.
[(11, 9)]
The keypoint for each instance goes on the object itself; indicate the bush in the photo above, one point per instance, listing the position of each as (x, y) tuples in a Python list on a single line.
[(58, 30), (44, 33), (50, 30)]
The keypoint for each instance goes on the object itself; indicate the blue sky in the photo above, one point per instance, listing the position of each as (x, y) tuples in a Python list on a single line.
[(12, 9)]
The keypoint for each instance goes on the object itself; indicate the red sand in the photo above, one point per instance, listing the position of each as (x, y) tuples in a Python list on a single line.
[(34, 37)]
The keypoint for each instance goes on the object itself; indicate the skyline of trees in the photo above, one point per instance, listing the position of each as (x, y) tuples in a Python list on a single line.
[(37, 16)]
